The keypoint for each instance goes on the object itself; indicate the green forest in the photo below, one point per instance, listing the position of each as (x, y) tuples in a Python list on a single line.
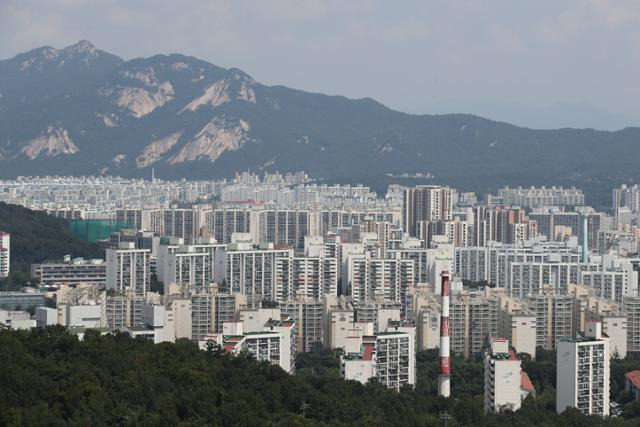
[(35, 237), (48, 376)]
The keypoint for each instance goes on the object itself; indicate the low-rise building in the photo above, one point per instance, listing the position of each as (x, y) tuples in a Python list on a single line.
[(70, 272)]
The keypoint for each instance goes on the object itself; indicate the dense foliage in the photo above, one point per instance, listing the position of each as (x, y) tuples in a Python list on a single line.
[(35, 237), (49, 377)]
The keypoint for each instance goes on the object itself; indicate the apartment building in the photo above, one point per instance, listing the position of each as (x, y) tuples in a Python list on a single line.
[(5, 253), (223, 223), (128, 281), (425, 203), (583, 372), (502, 378), (254, 271), (308, 277), (309, 317), (387, 356), (373, 278), (554, 317)]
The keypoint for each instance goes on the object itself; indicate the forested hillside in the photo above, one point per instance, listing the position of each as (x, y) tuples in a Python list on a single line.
[(49, 377), (35, 237)]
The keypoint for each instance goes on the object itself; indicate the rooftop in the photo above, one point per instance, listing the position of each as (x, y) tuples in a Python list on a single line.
[(633, 377), (525, 382)]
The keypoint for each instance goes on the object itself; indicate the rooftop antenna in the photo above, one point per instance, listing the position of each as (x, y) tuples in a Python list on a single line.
[(153, 175)]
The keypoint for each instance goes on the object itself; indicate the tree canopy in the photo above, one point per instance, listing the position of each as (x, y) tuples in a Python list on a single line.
[(36, 237), (48, 376)]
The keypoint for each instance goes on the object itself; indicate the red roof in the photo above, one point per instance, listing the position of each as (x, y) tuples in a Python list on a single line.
[(634, 378), (368, 351), (525, 382)]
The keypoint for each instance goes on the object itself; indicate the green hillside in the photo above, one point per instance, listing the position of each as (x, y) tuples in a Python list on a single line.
[(49, 377), (35, 237)]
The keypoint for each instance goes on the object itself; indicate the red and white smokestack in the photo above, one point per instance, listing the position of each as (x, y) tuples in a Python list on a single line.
[(444, 379)]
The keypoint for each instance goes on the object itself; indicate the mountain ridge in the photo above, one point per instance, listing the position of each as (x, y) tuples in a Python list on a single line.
[(82, 110)]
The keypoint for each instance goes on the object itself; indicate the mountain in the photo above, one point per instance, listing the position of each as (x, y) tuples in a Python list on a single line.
[(80, 110), (554, 116)]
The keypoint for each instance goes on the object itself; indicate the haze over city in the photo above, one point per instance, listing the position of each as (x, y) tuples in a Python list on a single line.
[(541, 64)]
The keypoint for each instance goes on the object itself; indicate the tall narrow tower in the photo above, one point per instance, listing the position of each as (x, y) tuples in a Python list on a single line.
[(585, 239), (444, 379)]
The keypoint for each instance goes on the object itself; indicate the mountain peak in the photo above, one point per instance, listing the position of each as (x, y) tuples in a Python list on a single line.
[(83, 47)]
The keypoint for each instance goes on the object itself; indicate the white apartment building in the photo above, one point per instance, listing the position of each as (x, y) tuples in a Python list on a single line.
[(612, 285), (124, 310), (182, 223), (5, 253), (253, 271), (583, 373), (554, 317), (284, 227), (140, 219), (308, 277), (374, 278), (128, 281), (128, 268), (203, 315), (559, 262), (473, 322), (421, 258), (223, 223), (528, 278), (395, 359), (187, 267), (502, 378), (535, 197), (387, 356), (631, 306), (274, 343), (308, 315)]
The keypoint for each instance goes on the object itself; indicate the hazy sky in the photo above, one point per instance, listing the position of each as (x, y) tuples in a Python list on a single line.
[(420, 56)]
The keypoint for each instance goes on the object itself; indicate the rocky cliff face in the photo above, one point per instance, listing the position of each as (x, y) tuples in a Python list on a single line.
[(54, 142)]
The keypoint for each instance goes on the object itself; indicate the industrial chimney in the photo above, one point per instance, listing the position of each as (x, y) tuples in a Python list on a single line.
[(585, 239), (444, 379)]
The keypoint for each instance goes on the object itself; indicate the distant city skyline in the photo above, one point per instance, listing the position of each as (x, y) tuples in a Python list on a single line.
[(552, 64)]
